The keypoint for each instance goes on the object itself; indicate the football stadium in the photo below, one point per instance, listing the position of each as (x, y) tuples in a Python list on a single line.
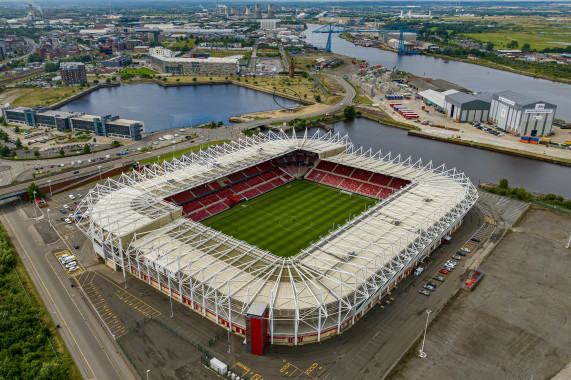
[(283, 239)]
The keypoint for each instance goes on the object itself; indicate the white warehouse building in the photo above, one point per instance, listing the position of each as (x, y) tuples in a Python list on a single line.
[(522, 115)]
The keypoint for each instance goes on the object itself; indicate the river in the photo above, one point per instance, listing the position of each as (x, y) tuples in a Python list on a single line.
[(473, 77), (174, 107), (478, 164)]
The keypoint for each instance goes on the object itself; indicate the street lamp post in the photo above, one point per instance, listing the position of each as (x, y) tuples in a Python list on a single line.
[(50, 185), (49, 221), (421, 353), (148, 373), (569, 242), (99, 167), (35, 213)]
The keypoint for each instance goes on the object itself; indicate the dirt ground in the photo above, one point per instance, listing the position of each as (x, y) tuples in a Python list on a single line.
[(514, 325)]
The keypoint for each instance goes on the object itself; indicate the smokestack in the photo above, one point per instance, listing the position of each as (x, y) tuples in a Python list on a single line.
[(258, 11), (271, 11), (248, 10), (32, 13)]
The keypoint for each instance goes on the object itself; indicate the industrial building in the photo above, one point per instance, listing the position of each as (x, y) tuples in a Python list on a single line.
[(109, 126), (466, 107), (196, 66), (73, 73), (522, 115), (140, 224), (270, 23), (432, 97)]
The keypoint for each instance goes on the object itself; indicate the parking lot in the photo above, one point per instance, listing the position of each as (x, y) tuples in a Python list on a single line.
[(514, 324), (127, 304)]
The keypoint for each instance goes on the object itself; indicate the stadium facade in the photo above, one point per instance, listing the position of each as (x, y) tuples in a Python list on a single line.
[(147, 223)]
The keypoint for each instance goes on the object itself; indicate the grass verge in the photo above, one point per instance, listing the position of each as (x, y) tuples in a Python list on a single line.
[(179, 153)]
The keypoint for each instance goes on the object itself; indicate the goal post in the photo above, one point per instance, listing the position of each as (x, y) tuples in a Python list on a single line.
[(346, 192)]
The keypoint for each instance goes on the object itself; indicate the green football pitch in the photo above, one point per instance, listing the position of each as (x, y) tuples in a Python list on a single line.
[(285, 220)]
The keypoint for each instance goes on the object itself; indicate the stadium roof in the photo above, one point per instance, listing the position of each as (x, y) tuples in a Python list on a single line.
[(341, 271)]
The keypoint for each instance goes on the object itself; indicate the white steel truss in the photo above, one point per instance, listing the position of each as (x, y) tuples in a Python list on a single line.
[(317, 292)]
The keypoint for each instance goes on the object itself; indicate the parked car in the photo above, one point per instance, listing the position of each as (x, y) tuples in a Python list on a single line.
[(73, 269), (424, 292), (75, 171), (62, 210), (67, 220), (429, 287), (71, 196), (439, 278), (475, 239), (71, 264), (431, 284), (443, 271), (456, 257), (461, 253), (465, 250), (79, 195), (76, 246)]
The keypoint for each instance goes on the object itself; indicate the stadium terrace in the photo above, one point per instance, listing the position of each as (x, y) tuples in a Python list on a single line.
[(152, 223)]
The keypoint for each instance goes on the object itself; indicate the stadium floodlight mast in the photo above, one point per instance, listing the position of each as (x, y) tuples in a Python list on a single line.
[(35, 205), (569, 242), (421, 353)]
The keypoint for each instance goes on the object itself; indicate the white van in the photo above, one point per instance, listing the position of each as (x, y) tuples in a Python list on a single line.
[(418, 271), (71, 196), (68, 259), (63, 257)]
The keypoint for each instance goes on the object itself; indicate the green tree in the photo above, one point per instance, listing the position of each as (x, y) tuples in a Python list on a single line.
[(318, 98), (61, 152), (18, 143), (86, 149), (17, 129), (490, 45), (504, 183), (349, 112), (37, 153), (194, 79), (94, 139), (525, 47), (513, 44), (39, 193), (115, 144), (108, 80)]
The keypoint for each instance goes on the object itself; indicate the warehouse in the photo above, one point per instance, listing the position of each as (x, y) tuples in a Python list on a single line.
[(196, 66), (435, 98), (522, 115), (466, 107)]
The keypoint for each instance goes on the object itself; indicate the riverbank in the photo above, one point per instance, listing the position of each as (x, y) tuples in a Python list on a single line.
[(492, 65), (493, 148), (482, 62)]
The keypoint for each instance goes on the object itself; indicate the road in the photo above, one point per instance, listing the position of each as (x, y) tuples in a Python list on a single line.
[(93, 352), (14, 169)]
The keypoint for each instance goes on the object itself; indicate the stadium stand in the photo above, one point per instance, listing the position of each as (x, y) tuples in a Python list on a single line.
[(209, 199), (357, 180)]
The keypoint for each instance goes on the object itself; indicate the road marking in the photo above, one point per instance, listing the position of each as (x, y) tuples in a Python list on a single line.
[(48, 293)]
